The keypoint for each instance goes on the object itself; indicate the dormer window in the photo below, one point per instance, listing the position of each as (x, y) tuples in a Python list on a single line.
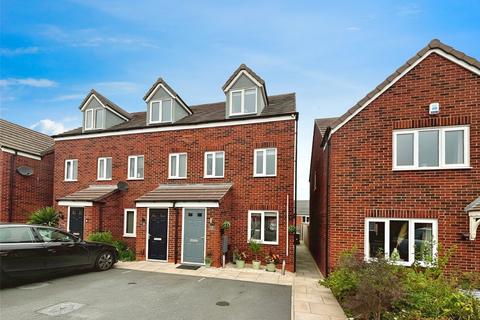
[(94, 119), (161, 111), (243, 101)]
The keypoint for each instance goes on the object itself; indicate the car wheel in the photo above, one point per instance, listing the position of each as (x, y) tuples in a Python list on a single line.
[(104, 261)]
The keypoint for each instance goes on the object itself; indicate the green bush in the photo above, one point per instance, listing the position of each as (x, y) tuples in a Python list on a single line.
[(47, 216), (381, 289), (124, 252)]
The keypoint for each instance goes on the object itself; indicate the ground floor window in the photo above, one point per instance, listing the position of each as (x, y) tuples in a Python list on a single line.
[(129, 223), (305, 219), (263, 226), (402, 240)]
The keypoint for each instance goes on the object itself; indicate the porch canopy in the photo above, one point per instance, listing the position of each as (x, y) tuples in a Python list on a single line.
[(86, 197), (181, 195), (473, 210)]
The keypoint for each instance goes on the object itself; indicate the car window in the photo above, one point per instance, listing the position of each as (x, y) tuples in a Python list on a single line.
[(16, 235), (53, 235)]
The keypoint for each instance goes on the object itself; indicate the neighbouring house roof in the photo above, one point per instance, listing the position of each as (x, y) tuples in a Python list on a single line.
[(18, 138), (105, 101), (187, 192), (93, 193), (303, 207), (324, 123), (474, 206), (212, 112), (434, 44)]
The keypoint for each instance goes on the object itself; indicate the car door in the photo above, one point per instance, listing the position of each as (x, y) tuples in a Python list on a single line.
[(20, 251), (63, 249)]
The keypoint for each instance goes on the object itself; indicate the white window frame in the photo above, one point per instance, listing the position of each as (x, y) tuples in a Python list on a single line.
[(177, 160), (94, 119), (242, 104), (104, 168), (262, 219), (161, 120), (134, 233), (71, 170), (441, 148), (214, 163), (411, 238), (305, 219), (136, 167), (264, 173)]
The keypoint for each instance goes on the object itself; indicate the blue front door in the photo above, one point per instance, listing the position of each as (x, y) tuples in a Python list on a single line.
[(194, 236)]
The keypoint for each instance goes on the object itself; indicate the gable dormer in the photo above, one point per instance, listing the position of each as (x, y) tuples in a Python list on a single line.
[(245, 93), (101, 113), (164, 105)]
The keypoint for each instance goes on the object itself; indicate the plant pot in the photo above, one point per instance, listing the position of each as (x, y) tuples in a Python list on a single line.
[(240, 264), (256, 264), (271, 267)]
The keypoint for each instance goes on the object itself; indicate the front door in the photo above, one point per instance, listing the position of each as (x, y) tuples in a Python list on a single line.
[(157, 234), (194, 236), (75, 225)]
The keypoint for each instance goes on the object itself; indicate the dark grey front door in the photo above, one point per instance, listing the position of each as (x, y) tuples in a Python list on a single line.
[(75, 225), (194, 236), (157, 234)]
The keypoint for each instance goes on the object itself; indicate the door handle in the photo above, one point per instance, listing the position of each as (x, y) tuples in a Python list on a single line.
[(157, 239)]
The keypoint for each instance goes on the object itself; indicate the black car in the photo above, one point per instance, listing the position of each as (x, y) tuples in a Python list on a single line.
[(27, 250)]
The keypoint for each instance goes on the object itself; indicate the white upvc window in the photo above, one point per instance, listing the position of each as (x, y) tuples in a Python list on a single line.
[(94, 119), (71, 170), (177, 166), (104, 168), (263, 226), (130, 223), (431, 148), (305, 219), (265, 162), (161, 111), (402, 240), (214, 164), (243, 101), (136, 167)]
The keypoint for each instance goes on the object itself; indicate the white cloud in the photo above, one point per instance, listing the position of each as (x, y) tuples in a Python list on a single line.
[(31, 82), (409, 10), (352, 28), (49, 126), (18, 51)]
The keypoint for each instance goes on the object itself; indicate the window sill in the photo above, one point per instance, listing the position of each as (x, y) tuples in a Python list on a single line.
[(212, 177), (264, 176), (70, 180), (104, 179), (133, 179), (264, 242), (433, 168), (129, 235), (177, 178)]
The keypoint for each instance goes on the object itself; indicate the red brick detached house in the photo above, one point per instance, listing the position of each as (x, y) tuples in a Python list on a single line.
[(165, 180), (26, 172), (399, 173)]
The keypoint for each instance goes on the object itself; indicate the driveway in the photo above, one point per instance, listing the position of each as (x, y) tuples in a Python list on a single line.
[(128, 294)]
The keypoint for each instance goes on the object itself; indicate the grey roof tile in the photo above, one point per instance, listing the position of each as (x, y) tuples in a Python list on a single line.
[(187, 192), (22, 139)]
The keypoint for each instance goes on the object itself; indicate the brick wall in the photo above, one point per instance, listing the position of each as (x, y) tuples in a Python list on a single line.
[(29, 193), (238, 142), (363, 183)]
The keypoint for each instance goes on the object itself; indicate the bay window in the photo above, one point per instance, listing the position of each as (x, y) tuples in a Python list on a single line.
[(431, 148)]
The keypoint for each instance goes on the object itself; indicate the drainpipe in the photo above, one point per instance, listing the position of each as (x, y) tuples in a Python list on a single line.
[(327, 211), (295, 192), (12, 186)]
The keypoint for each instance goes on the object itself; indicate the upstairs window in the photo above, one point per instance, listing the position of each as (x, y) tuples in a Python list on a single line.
[(94, 119), (178, 166), (265, 162), (71, 168), (104, 169), (161, 111), (214, 164), (243, 101), (431, 148), (135, 167)]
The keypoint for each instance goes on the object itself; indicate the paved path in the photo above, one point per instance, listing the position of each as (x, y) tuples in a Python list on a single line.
[(311, 301)]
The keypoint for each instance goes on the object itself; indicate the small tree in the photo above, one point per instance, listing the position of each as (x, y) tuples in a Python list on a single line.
[(46, 216), (255, 247)]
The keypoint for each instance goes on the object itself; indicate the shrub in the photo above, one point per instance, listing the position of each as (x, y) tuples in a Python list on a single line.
[(255, 247), (124, 252), (47, 216)]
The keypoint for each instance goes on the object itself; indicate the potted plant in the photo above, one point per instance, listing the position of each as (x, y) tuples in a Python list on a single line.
[(255, 247), (226, 225), (292, 229), (208, 260), (272, 260), (240, 257)]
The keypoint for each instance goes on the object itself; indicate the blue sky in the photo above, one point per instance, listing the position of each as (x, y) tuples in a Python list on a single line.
[(330, 53)]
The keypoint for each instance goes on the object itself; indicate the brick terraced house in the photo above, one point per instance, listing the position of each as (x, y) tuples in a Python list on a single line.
[(26, 172), (165, 180), (399, 173)]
